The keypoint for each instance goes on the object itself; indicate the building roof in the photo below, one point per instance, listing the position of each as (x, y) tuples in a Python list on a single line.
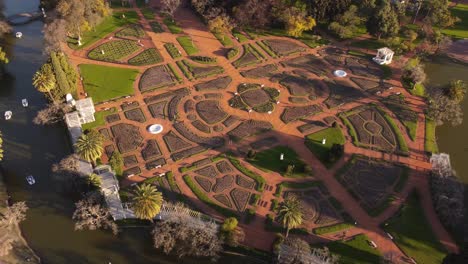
[(385, 50), (85, 106)]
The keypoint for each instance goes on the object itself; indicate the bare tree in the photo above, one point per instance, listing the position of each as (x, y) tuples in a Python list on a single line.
[(183, 235), (254, 13), (170, 6), (52, 114), (91, 215), (14, 214), (54, 33), (298, 251)]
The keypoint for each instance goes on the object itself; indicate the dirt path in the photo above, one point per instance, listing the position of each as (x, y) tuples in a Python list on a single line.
[(288, 135)]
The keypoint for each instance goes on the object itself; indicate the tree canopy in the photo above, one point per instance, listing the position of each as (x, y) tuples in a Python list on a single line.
[(384, 21), (146, 201), (290, 213)]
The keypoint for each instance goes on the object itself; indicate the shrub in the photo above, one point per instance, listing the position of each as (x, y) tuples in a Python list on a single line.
[(259, 179), (250, 216), (229, 224), (232, 53), (116, 162)]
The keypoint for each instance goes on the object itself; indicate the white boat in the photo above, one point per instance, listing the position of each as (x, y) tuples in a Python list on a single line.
[(19, 34), (30, 179), (8, 115), (25, 102)]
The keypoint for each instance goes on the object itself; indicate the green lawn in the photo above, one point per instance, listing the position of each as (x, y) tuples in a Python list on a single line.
[(355, 251), (239, 36), (331, 229), (314, 143), (108, 25), (188, 45), (224, 39), (269, 160), (367, 44), (460, 29), (100, 119), (148, 13), (172, 25), (430, 141), (104, 83), (413, 234)]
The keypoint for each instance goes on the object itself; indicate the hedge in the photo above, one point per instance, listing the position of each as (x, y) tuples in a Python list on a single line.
[(204, 198), (332, 228), (259, 179)]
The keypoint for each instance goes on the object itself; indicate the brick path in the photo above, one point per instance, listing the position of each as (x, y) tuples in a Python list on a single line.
[(288, 135)]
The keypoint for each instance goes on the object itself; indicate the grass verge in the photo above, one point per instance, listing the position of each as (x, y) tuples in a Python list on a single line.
[(187, 44), (333, 135)]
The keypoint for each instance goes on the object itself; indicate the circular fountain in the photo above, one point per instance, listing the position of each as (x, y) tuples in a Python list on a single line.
[(155, 129), (340, 73)]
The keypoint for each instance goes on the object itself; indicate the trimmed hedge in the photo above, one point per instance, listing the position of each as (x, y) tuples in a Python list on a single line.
[(332, 228), (204, 198), (258, 178)]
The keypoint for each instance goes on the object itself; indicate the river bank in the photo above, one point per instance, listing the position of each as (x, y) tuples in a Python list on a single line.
[(21, 252)]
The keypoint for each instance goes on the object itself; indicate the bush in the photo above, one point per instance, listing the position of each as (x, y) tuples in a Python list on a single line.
[(60, 76), (116, 162), (229, 224), (254, 199), (250, 216), (232, 53), (258, 178)]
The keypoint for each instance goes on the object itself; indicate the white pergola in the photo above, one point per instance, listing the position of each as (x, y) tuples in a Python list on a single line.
[(384, 56)]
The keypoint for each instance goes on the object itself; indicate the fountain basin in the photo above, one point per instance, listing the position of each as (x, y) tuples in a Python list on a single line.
[(340, 73), (155, 129)]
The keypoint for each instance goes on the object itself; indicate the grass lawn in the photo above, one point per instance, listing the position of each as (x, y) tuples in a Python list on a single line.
[(418, 90), (460, 29), (269, 160), (413, 234), (104, 83), (239, 36), (367, 44), (100, 119), (188, 45), (430, 142), (172, 25), (314, 143), (354, 251), (332, 228), (224, 39), (147, 13), (108, 25)]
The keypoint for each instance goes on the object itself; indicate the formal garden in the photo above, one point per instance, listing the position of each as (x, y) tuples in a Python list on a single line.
[(254, 123)]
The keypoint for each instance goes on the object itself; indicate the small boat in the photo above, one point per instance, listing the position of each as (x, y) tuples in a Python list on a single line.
[(25, 102), (8, 115), (30, 179), (19, 35)]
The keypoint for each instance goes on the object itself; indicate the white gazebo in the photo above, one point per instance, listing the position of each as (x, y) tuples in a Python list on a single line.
[(384, 56)]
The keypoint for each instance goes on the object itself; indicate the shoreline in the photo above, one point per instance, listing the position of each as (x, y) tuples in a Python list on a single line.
[(21, 252)]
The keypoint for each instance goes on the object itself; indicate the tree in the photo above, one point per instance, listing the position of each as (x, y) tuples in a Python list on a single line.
[(441, 41), (94, 181), (66, 173), (457, 90), (326, 10), (290, 213), (52, 114), (221, 24), (91, 215), (254, 13), (54, 33), (1, 146), (6, 244), (14, 214), (170, 6), (439, 14), (116, 162), (230, 233), (413, 73), (384, 21), (44, 80), (3, 60), (298, 251), (346, 24), (184, 235), (89, 146), (146, 201), (442, 109), (296, 20)]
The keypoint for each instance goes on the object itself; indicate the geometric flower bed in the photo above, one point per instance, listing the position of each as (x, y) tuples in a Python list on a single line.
[(146, 57), (253, 96), (341, 92), (409, 118), (114, 51), (210, 111), (216, 84), (261, 72), (369, 128), (151, 150), (126, 136), (250, 56), (282, 47), (135, 115), (156, 77), (301, 86), (131, 31), (370, 181), (291, 114), (230, 191), (191, 70), (249, 128), (175, 143), (309, 63)]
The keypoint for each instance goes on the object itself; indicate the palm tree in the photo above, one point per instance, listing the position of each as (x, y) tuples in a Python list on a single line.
[(290, 213), (1, 146), (44, 81), (89, 146), (147, 201)]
